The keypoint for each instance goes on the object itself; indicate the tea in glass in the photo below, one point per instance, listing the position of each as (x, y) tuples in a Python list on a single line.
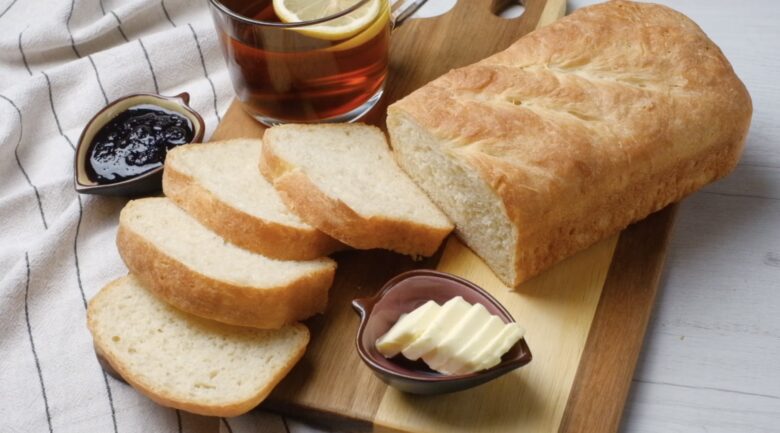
[(317, 70)]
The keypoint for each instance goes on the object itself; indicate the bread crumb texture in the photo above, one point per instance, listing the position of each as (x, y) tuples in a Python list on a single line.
[(183, 358)]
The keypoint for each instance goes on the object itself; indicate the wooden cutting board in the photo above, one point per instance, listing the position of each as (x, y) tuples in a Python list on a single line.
[(585, 318)]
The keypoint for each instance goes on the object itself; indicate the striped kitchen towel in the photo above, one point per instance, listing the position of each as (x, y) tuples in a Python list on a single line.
[(60, 62)]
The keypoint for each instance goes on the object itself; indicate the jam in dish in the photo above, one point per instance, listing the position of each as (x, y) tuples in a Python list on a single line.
[(135, 142)]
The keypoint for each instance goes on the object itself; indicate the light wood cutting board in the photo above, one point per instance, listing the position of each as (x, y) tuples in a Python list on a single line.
[(585, 318)]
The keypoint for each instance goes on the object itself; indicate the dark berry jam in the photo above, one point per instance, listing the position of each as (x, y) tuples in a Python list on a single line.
[(135, 142)]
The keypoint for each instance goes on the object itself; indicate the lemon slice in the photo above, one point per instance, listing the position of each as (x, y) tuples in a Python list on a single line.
[(379, 25), (295, 11)]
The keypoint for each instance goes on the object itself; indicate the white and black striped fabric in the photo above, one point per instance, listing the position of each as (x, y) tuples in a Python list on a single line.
[(60, 62)]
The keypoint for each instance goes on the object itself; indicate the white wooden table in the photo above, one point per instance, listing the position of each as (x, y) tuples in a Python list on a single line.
[(711, 360)]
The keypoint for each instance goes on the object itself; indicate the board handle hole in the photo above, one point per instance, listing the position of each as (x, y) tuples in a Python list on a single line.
[(508, 9)]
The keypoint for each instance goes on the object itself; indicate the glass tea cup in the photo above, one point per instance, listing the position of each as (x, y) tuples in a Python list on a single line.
[(295, 72)]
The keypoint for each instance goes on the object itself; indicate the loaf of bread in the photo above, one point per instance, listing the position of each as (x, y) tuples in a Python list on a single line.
[(195, 270), (218, 184), (182, 361), (343, 180), (573, 132)]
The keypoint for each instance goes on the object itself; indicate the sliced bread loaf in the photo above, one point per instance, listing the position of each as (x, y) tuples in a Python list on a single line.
[(182, 361), (197, 271), (343, 180), (575, 131), (218, 184)]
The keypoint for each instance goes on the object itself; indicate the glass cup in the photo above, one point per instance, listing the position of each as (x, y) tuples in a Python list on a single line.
[(292, 73)]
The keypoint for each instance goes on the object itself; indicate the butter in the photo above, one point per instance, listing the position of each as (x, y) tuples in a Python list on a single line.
[(407, 329), (491, 355), (469, 325), (455, 338), (448, 316), (465, 359), (489, 351)]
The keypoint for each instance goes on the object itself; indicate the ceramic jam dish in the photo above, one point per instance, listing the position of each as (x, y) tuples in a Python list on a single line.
[(122, 149), (403, 294)]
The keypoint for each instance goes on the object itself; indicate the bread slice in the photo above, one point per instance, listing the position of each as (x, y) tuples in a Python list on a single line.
[(343, 180), (218, 184), (194, 269), (182, 361)]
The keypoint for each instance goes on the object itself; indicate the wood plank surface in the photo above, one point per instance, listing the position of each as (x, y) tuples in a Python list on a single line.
[(610, 355), (424, 49), (331, 384)]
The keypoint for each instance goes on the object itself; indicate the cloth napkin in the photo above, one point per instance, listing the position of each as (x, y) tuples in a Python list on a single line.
[(60, 62)]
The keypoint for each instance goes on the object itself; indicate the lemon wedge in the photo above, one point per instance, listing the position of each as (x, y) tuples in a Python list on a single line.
[(295, 11)]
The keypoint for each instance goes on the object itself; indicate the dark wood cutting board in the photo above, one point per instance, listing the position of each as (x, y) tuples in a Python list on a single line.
[(586, 318)]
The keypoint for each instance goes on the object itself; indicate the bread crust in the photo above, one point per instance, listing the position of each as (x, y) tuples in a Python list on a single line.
[(158, 394), (338, 220), (589, 124), (268, 238), (201, 295)]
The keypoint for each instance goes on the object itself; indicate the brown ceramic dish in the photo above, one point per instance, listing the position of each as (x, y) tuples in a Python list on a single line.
[(148, 182), (403, 294)]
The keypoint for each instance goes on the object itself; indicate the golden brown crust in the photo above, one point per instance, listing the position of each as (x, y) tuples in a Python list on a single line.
[(198, 294), (650, 194), (590, 123), (338, 220), (159, 395), (268, 238)]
